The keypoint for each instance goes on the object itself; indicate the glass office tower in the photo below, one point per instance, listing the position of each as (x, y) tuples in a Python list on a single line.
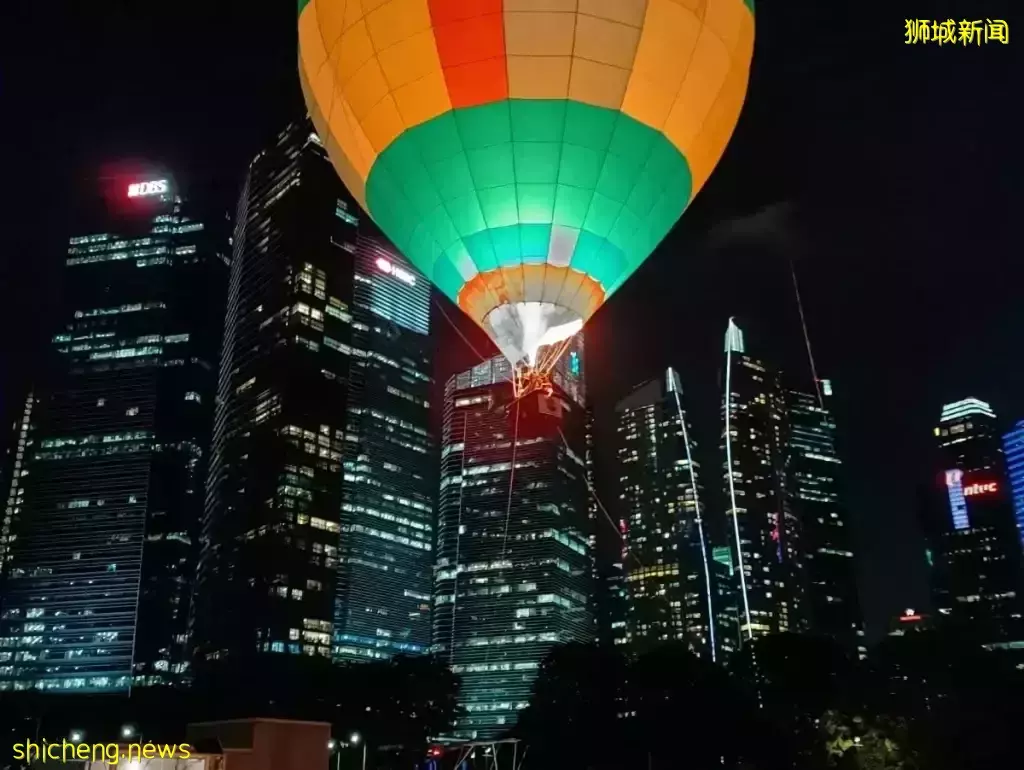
[(514, 566), (318, 525), (385, 565), (668, 558), (101, 522), (763, 529), (813, 467)]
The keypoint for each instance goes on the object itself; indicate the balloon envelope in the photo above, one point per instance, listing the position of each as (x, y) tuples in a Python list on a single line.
[(526, 155)]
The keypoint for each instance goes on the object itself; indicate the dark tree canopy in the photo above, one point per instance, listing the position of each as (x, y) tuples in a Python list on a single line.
[(926, 701)]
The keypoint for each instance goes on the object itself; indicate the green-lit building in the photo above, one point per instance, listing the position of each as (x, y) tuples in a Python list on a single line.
[(513, 576)]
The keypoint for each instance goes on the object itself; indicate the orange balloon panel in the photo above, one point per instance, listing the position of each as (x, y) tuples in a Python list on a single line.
[(375, 68)]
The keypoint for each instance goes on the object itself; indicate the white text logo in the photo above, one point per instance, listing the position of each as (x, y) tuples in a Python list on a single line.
[(140, 189)]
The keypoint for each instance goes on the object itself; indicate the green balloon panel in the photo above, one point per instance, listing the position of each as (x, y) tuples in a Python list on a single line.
[(490, 186)]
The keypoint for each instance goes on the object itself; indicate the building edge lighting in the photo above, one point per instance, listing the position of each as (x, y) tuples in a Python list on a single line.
[(965, 408), (729, 346), (700, 522)]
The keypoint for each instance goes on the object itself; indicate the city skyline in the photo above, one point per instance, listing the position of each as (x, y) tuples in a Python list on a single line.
[(372, 252), (976, 332)]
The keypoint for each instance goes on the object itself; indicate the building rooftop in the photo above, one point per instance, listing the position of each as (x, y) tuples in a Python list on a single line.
[(965, 408)]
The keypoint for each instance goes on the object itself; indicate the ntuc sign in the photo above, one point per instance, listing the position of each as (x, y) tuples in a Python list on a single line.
[(981, 488)]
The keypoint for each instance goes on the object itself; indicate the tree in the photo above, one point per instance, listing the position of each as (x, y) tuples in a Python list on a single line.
[(859, 743), (795, 679), (399, 703), (960, 702), (689, 711), (591, 709), (573, 719)]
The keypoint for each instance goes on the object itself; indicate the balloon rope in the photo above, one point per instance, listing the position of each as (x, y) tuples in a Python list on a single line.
[(807, 336), (600, 505), (458, 541), (511, 482), (451, 323)]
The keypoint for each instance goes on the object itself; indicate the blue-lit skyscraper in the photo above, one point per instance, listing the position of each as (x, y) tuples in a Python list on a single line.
[(1013, 446), (514, 566)]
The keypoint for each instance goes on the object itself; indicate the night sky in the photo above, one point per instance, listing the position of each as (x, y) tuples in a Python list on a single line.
[(890, 174)]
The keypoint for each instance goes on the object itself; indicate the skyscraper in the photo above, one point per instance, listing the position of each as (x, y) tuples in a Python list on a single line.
[(669, 584), (385, 566), (513, 574), (607, 545), (1013, 445), (101, 521), (15, 461), (763, 529), (972, 531), (614, 605), (317, 531), (814, 489)]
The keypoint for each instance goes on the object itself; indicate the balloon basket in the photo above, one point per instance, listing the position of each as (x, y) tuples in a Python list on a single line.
[(535, 408)]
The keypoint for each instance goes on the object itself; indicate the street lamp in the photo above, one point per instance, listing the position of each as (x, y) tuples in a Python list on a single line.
[(77, 736), (128, 731), (355, 739), (332, 745)]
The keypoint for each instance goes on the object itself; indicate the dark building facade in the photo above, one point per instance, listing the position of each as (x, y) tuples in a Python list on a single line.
[(813, 467), (668, 572), (910, 621), (15, 462), (726, 595), (971, 528), (764, 531), (102, 519), (514, 568), (607, 545), (317, 531)]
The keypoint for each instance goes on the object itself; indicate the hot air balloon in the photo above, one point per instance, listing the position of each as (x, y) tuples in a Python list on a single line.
[(526, 155)]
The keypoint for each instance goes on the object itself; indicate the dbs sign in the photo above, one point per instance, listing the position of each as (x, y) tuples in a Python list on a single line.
[(144, 189)]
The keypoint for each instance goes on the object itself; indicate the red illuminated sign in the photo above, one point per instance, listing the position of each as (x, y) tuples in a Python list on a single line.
[(142, 189), (981, 488)]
